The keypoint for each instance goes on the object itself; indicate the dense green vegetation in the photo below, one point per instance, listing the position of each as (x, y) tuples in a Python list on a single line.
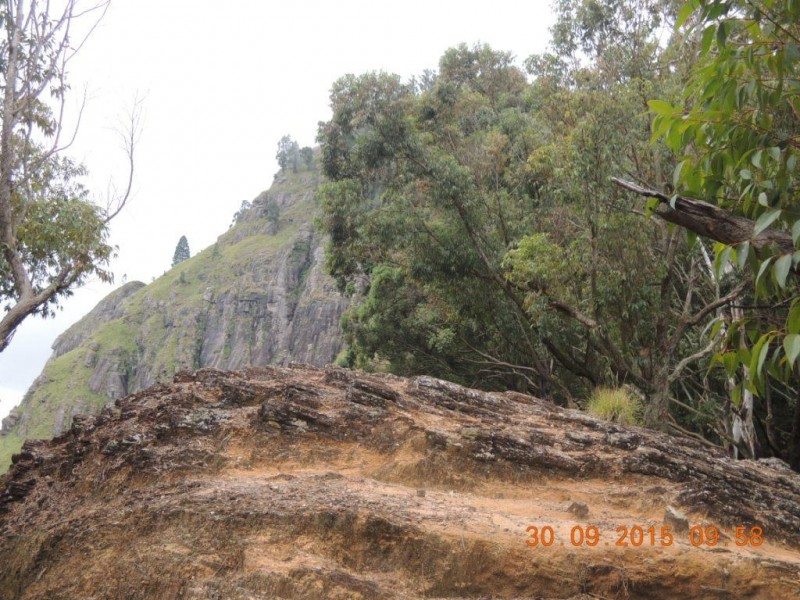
[(473, 212), (736, 130)]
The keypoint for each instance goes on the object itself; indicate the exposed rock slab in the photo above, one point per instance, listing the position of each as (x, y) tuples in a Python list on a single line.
[(327, 483)]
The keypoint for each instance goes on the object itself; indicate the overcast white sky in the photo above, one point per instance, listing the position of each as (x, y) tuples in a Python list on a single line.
[(221, 83)]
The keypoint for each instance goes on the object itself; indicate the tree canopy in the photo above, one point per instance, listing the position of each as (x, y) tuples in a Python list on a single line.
[(288, 153), (182, 251), (474, 216)]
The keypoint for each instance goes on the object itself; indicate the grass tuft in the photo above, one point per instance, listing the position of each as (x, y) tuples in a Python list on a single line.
[(616, 405)]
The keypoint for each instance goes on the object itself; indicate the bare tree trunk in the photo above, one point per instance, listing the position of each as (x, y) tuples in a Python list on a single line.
[(657, 409), (773, 440), (744, 429)]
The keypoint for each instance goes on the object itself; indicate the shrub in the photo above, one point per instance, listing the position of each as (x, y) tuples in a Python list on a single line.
[(616, 405)]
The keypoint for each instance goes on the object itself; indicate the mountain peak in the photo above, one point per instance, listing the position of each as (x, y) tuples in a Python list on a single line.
[(258, 296)]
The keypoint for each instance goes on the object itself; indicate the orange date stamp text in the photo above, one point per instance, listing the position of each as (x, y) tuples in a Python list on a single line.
[(637, 536)]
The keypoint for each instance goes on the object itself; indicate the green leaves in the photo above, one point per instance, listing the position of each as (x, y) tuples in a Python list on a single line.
[(721, 261), (793, 321), (722, 34), (677, 174), (765, 220), (685, 12), (774, 153), (742, 254), (708, 38), (744, 101), (782, 267), (660, 107), (796, 232), (61, 230), (791, 347)]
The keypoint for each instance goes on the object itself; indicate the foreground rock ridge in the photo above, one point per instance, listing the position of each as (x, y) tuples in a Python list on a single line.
[(308, 482), (260, 295)]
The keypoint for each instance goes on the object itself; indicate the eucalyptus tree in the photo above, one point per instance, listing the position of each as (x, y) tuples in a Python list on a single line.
[(423, 203), (736, 132), (478, 217), (633, 296), (288, 153), (52, 236)]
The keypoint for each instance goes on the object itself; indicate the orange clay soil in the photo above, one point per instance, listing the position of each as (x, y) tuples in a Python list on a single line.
[(327, 483)]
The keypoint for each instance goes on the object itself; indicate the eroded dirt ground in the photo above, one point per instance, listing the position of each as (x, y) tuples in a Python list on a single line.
[(326, 483)]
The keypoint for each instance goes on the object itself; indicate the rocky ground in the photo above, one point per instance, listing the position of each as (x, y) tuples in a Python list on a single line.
[(326, 483)]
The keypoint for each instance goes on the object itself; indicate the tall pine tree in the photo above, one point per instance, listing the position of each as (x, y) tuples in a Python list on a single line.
[(181, 251)]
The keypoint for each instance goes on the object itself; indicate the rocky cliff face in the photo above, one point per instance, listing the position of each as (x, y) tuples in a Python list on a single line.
[(258, 296), (327, 483)]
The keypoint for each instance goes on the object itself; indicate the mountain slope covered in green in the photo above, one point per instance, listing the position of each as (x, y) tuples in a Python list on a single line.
[(258, 296)]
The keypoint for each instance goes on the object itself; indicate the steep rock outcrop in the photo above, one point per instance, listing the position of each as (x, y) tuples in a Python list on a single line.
[(258, 296), (328, 483), (110, 308)]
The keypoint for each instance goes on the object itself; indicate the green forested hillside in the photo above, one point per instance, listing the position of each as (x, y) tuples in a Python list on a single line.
[(258, 296)]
